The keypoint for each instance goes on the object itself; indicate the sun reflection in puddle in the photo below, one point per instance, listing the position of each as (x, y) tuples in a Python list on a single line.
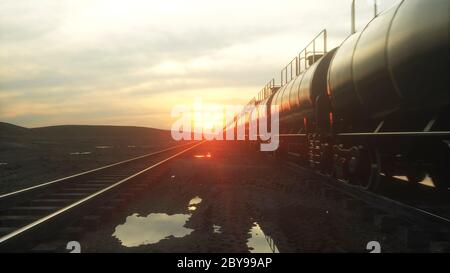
[(103, 147), (139, 230), (259, 242), (193, 203), (208, 155), (80, 153), (427, 181)]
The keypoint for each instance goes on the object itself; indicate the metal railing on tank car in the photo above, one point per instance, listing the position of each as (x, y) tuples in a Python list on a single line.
[(266, 91), (307, 57)]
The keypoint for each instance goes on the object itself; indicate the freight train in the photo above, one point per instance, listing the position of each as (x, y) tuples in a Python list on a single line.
[(377, 105)]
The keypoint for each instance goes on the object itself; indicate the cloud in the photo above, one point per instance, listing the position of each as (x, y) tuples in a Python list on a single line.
[(62, 61)]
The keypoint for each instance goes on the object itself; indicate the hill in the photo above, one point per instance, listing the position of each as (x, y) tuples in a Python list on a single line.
[(8, 129), (105, 134)]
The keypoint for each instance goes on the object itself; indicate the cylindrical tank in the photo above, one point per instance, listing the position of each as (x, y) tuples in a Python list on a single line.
[(313, 83), (276, 100), (285, 104), (399, 61), (297, 99), (419, 45)]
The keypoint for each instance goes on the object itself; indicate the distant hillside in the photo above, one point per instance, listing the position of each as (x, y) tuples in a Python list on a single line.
[(96, 131), (83, 132), (8, 129)]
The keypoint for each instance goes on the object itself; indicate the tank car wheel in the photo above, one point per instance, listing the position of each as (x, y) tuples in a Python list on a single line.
[(339, 168), (365, 168), (326, 160)]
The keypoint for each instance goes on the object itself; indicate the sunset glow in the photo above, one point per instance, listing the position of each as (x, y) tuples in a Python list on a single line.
[(208, 155), (129, 62), (233, 131)]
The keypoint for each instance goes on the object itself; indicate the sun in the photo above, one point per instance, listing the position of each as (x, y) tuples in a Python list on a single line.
[(209, 125), (208, 117), (209, 121)]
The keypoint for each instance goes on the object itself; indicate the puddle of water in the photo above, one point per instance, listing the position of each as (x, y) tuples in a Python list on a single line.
[(103, 147), (426, 182), (139, 230), (217, 229), (3, 163), (402, 178), (259, 242), (193, 203), (207, 155), (80, 153)]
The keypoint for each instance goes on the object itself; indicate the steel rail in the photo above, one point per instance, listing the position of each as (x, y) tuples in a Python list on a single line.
[(84, 200), (90, 171)]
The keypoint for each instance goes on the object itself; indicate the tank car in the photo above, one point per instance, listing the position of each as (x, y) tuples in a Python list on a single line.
[(377, 105)]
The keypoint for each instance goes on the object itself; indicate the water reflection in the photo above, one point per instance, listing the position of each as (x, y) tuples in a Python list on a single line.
[(259, 242), (208, 155), (3, 163), (139, 230), (427, 181), (193, 203), (103, 147), (80, 153)]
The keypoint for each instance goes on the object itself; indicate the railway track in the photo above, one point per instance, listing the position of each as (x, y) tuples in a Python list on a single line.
[(32, 216), (29, 216), (423, 229)]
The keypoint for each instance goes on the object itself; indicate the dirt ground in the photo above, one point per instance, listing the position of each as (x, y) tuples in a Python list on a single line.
[(225, 199), (31, 159)]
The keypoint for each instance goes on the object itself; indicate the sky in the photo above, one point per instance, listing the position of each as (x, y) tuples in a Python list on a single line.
[(111, 62)]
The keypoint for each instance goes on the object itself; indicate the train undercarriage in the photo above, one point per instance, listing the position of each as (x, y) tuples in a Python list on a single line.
[(363, 158)]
